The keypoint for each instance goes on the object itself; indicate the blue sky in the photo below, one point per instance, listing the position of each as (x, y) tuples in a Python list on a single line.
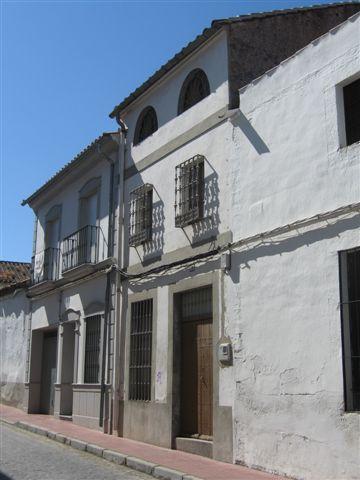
[(64, 65)]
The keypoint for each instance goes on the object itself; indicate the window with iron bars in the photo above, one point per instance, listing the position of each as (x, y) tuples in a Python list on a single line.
[(92, 349), (140, 350), (140, 225), (352, 109), (350, 315), (189, 191)]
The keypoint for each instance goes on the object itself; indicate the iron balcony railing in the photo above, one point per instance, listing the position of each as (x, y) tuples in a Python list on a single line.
[(45, 266), (81, 247)]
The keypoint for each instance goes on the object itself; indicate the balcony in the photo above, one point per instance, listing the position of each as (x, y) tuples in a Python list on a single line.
[(81, 248), (45, 266)]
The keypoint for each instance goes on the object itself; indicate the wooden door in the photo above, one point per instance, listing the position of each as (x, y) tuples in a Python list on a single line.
[(48, 373), (196, 378)]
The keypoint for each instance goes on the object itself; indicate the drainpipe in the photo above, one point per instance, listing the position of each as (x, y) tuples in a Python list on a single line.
[(104, 414), (116, 417), (107, 422)]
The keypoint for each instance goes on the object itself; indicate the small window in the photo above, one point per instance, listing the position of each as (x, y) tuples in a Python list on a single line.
[(146, 125), (140, 350), (89, 198), (140, 228), (195, 88), (189, 191), (350, 312), (352, 112), (92, 349)]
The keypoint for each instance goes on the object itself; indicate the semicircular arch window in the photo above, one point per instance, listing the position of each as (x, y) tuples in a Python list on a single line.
[(194, 89), (146, 125)]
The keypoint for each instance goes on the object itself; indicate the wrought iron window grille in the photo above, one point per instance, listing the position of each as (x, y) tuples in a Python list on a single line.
[(350, 315), (140, 207), (92, 349), (194, 89), (140, 350), (352, 108), (189, 191), (146, 125), (81, 247), (45, 266)]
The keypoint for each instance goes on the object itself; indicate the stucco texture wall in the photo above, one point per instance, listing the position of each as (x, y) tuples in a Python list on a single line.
[(285, 324), (282, 294), (14, 320)]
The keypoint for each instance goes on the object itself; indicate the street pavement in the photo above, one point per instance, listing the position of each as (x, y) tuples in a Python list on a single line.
[(26, 456)]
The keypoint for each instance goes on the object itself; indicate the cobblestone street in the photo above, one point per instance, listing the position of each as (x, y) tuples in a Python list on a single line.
[(26, 456)]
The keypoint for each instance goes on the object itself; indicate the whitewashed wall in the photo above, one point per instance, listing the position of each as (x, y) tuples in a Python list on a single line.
[(282, 298), (14, 324), (67, 195), (289, 160), (212, 58), (46, 310), (214, 145), (164, 97)]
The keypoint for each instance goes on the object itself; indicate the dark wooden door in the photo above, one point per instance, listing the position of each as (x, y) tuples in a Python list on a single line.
[(196, 378), (48, 374)]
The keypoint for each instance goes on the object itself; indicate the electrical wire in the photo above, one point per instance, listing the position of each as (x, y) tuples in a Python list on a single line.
[(204, 257)]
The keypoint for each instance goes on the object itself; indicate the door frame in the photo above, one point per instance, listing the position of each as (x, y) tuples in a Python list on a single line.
[(174, 351), (193, 324), (51, 332)]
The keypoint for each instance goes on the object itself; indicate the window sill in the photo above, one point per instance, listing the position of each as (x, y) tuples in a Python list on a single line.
[(86, 386), (354, 145)]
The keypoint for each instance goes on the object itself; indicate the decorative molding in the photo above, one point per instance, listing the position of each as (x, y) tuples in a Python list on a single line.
[(94, 308), (70, 315), (53, 214), (90, 187)]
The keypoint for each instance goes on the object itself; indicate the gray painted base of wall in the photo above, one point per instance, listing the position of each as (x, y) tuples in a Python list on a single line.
[(12, 393), (223, 435), (88, 422), (147, 422), (195, 446)]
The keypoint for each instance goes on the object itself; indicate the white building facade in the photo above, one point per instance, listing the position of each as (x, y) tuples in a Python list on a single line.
[(295, 388), (14, 330), (198, 301), (72, 292)]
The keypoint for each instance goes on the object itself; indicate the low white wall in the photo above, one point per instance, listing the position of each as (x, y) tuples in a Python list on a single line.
[(282, 296), (14, 320), (289, 411)]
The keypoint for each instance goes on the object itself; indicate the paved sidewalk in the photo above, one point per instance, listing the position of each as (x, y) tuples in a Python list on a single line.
[(185, 465)]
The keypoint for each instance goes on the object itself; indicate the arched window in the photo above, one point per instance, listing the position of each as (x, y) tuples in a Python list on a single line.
[(146, 125), (195, 88)]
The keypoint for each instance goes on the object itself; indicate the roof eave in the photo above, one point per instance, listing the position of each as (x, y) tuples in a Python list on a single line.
[(207, 33), (78, 159), (168, 66)]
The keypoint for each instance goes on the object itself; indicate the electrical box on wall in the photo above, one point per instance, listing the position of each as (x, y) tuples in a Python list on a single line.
[(224, 353), (225, 261)]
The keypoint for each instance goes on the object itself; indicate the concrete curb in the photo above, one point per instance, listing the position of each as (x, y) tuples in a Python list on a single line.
[(135, 463)]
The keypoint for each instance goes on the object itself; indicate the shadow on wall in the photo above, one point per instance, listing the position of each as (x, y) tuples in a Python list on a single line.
[(241, 122), (155, 248), (209, 226), (4, 477), (206, 266), (268, 248)]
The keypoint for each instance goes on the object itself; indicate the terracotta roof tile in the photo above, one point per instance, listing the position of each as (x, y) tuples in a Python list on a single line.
[(13, 274)]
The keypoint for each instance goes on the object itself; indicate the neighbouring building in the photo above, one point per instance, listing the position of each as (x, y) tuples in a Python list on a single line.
[(14, 329), (72, 290), (195, 278)]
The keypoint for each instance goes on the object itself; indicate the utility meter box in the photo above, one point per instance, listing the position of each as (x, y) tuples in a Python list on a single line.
[(224, 353)]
